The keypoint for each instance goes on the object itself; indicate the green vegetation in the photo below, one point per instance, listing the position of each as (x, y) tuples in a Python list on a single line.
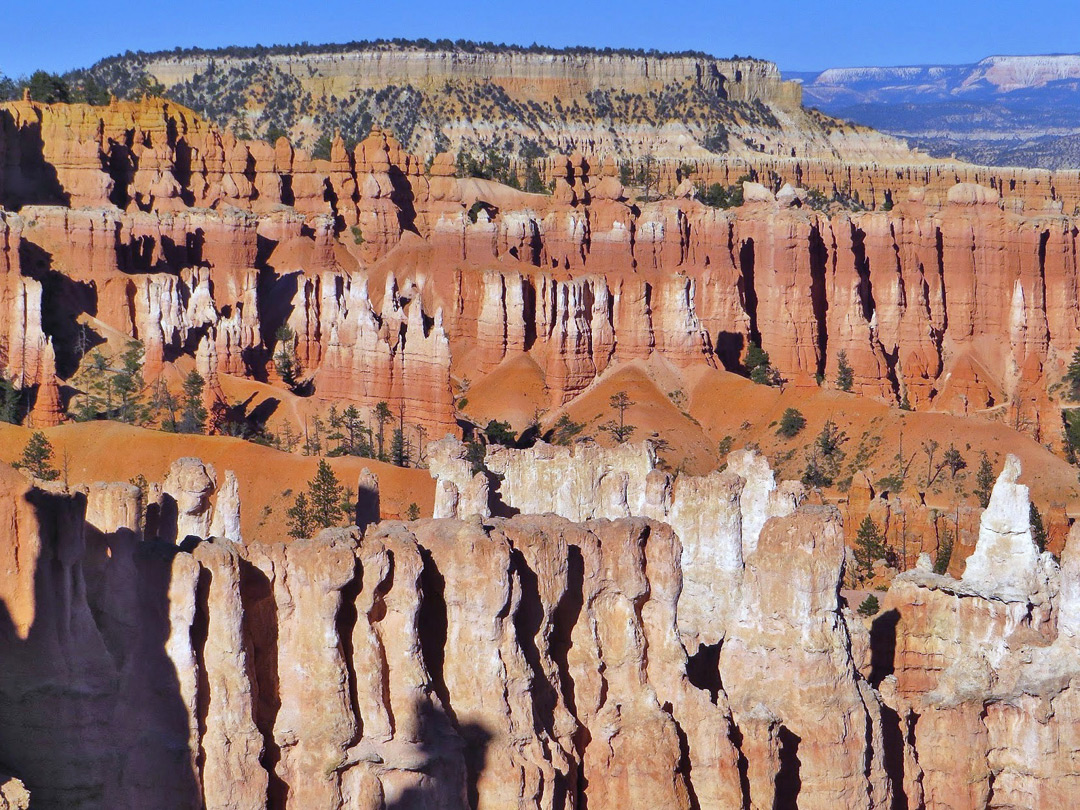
[(757, 364), (324, 504), (824, 457), (1072, 376), (37, 458), (286, 362), (413, 512), (566, 431), (11, 402), (984, 480), (791, 423), (1038, 530), (619, 431), (193, 414), (869, 548), (845, 376), (944, 552), (869, 607), (718, 196)]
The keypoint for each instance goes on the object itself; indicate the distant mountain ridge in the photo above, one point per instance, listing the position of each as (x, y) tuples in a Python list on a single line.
[(1002, 110)]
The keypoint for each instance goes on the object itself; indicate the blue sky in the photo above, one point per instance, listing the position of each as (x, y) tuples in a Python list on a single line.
[(798, 34)]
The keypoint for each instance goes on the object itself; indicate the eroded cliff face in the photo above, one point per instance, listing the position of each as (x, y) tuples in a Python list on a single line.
[(393, 282), (530, 661)]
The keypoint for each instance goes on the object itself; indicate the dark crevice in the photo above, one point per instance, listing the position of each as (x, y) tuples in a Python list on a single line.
[(703, 669), (819, 256), (862, 268), (260, 620), (893, 755), (345, 624), (199, 632), (736, 737), (432, 623), (747, 290)]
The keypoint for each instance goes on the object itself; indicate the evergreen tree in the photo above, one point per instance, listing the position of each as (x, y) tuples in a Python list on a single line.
[(944, 553), (760, 368), (9, 402), (413, 512), (500, 432), (954, 461), (37, 458), (193, 415), (128, 383), (869, 547), (845, 376), (285, 360), (325, 493), (791, 423), (565, 431), (301, 520), (984, 480), (1038, 530), (165, 406), (1072, 376), (382, 416), (399, 449), (870, 606), (619, 431)]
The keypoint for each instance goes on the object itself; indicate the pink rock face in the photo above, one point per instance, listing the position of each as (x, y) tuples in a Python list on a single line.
[(953, 301), (530, 662)]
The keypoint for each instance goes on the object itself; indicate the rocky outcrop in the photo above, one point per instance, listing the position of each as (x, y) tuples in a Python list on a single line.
[(396, 281), (531, 661)]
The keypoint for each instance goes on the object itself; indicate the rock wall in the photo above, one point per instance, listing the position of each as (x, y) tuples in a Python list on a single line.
[(530, 661), (394, 281)]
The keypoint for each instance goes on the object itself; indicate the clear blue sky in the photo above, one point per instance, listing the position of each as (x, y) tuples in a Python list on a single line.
[(798, 34)]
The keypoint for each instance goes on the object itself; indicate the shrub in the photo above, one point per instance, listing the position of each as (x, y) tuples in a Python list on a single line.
[(870, 606), (791, 423)]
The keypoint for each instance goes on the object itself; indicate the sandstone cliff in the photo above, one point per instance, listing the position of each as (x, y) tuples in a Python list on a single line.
[(921, 298), (531, 661)]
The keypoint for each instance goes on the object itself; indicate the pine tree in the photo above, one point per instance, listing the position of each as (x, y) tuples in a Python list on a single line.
[(954, 461), (845, 376), (37, 458), (382, 416), (128, 384), (944, 553), (399, 449), (1072, 376), (285, 360), (619, 431), (413, 512), (9, 402), (984, 480), (791, 423), (869, 547), (1038, 530), (870, 606), (758, 364), (193, 415), (301, 520), (325, 493)]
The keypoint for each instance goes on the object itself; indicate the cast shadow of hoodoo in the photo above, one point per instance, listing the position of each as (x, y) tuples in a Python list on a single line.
[(91, 714), (112, 655)]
